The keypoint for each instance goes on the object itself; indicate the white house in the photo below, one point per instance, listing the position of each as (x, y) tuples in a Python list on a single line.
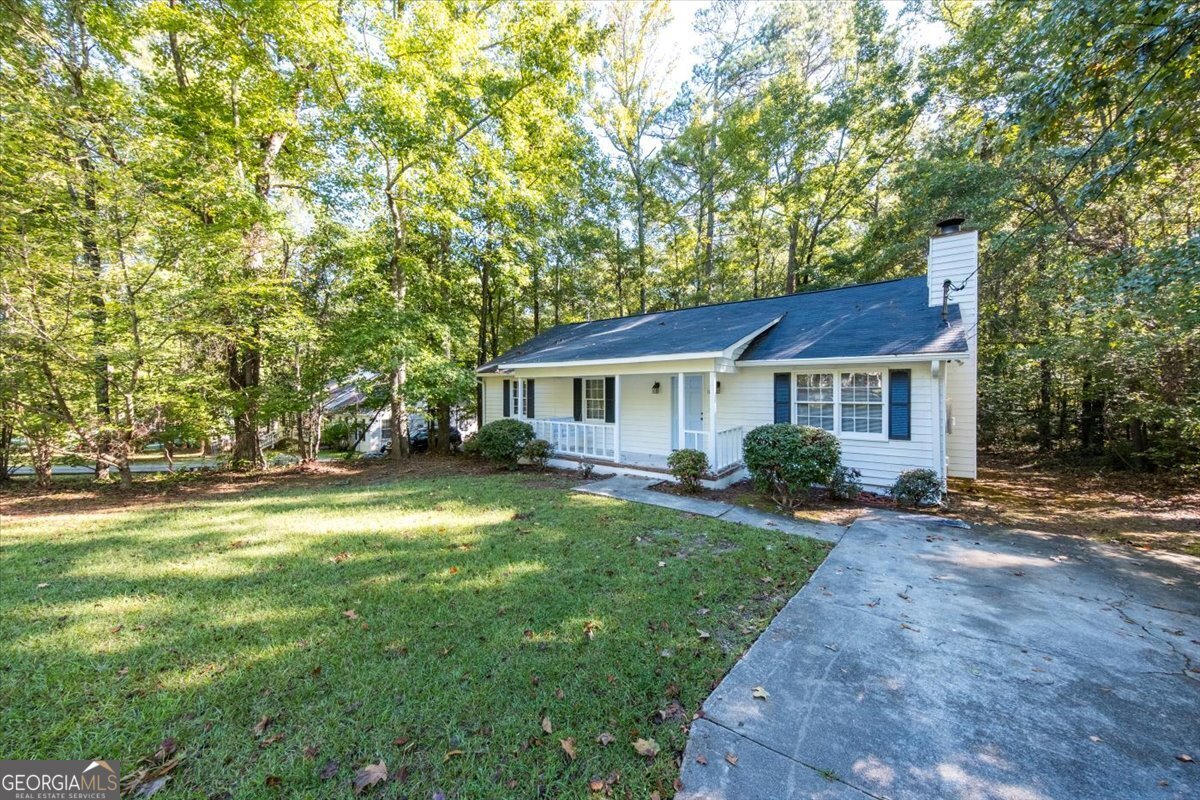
[(888, 367)]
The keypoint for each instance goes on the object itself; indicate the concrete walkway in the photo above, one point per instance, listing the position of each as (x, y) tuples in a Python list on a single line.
[(636, 489), (926, 661)]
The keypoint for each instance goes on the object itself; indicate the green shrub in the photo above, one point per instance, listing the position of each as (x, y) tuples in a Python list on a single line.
[(688, 466), (538, 452), (845, 483), (504, 441), (786, 460), (470, 445), (918, 487)]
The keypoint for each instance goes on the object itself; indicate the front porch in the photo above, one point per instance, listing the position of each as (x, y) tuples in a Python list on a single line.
[(632, 420)]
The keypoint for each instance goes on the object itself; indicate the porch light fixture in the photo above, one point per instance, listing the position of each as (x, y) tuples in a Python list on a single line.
[(654, 389)]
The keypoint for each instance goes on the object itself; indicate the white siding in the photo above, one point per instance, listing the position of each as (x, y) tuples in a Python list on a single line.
[(553, 398), (493, 399), (956, 257), (748, 398), (645, 416)]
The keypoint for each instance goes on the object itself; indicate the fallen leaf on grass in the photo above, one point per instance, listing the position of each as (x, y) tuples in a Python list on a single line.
[(151, 788), (451, 754), (704, 635), (605, 739), (310, 752), (43, 586), (350, 614), (646, 747), (732, 759), (546, 725), (261, 725), (270, 740), (760, 693), (568, 746), (329, 770), (589, 630), (369, 775), (702, 761), (673, 711), (273, 781), (559, 694), (166, 749), (340, 557), (596, 785)]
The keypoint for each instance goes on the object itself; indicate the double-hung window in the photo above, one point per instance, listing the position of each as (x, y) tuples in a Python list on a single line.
[(815, 400), (862, 402), (593, 399)]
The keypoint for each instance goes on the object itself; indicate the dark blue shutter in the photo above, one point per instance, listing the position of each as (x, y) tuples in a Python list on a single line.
[(899, 404), (610, 399), (507, 400), (783, 397), (578, 399), (529, 399)]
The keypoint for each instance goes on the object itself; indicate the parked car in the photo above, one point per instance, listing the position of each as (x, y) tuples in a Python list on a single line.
[(418, 441)]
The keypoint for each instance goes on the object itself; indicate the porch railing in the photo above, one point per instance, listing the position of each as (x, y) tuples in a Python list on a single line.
[(596, 440), (729, 447)]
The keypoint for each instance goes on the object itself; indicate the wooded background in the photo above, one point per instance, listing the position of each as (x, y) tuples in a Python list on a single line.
[(211, 208)]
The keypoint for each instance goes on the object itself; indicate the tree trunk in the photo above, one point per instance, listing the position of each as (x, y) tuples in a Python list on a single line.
[(399, 375), (793, 238), (443, 428), (6, 433), (1044, 410)]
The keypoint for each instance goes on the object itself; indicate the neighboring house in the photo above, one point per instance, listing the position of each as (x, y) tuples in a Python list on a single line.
[(888, 367), (371, 429)]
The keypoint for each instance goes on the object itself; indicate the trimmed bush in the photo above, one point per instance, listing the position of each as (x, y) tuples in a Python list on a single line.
[(538, 452), (917, 487), (688, 466), (504, 441), (786, 460), (470, 445), (845, 483)]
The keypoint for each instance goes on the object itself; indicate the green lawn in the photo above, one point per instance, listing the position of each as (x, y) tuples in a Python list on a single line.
[(473, 598)]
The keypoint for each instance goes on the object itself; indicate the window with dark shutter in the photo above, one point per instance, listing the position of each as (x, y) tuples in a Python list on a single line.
[(507, 399), (783, 397), (578, 405), (529, 399), (899, 404), (610, 399)]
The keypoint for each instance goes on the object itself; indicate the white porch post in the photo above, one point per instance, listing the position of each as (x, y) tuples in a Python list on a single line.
[(679, 411), (712, 420), (617, 418)]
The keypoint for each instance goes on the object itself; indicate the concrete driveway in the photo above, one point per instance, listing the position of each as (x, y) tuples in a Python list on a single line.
[(928, 661)]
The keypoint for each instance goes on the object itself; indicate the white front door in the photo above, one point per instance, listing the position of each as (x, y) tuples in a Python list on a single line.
[(693, 412)]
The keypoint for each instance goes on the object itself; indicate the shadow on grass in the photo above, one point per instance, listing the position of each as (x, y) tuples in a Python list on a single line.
[(472, 604)]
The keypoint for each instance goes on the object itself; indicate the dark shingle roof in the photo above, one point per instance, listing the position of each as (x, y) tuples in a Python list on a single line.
[(873, 319)]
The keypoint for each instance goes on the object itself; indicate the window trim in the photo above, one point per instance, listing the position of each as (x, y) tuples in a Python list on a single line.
[(794, 402), (837, 398), (883, 388), (584, 417)]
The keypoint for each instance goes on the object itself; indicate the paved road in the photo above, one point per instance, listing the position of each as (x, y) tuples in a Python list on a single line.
[(926, 661)]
